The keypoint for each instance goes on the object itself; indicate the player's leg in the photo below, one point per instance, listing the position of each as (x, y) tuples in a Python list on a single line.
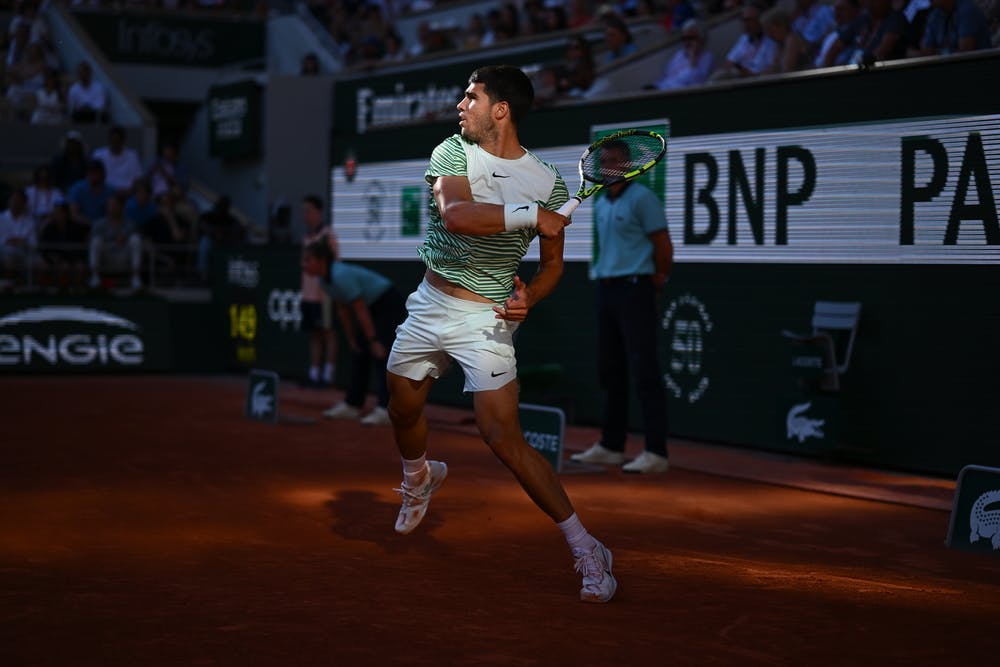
[(421, 478), (497, 419)]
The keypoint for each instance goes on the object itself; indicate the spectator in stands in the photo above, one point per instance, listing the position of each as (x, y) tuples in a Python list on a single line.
[(879, 34), (70, 164), (166, 173), (475, 32), (617, 39), (87, 99), (580, 14), (578, 69), (754, 51), (121, 163), (792, 54), (18, 237), (115, 244), (510, 22), (62, 241), (140, 207), (676, 14), (692, 64), (833, 50), (812, 20), (50, 107), (42, 197), (172, 233), (554, 17), (24, 79), (17, 49), (88, 198), (310, 65), (216, 227), (916, 13), (955, 26), (393, 45)]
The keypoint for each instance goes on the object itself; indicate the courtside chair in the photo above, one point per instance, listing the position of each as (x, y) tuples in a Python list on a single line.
[(834, 328)]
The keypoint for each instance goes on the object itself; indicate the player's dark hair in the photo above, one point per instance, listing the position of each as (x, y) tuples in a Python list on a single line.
[(315, 200), (619, 146), (321, 250), (506, 83)]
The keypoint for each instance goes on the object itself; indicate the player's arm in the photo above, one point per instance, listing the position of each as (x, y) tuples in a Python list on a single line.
[(461, 214), (550, 269)]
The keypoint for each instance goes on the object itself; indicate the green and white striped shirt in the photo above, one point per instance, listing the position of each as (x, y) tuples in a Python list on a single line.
[(486, 264)]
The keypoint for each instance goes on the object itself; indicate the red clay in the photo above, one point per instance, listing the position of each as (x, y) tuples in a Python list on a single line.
[(144, 521)]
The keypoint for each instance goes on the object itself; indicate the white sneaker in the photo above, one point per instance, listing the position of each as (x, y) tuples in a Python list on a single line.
[(647, 462), (342, 411), (599, 585), (598, 453), (377, 417), (415, 500)]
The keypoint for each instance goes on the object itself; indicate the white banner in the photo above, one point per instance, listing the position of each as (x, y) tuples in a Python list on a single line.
[(908, 192)]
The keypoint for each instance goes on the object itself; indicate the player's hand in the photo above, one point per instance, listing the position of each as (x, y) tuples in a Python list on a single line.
[(515, 307), (550, 224)]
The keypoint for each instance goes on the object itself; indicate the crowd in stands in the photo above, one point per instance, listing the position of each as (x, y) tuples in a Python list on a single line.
[(89, 217)]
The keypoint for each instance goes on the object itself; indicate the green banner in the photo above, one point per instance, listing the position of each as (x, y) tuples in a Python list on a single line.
[(171, 39)]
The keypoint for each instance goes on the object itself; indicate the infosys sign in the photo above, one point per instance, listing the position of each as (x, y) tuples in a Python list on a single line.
[(120, 337)]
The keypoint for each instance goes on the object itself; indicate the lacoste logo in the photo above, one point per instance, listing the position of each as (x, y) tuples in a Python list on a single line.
[(802, 427), (521, 208), (496, 375), (496, 175), (261, 403), (983, 522)]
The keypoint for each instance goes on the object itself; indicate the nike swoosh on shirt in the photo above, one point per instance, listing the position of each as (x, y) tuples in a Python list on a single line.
[(496, 375), (520, 208), (496, 175)]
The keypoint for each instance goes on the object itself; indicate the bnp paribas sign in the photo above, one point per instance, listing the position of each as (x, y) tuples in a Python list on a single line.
[(108, 338)]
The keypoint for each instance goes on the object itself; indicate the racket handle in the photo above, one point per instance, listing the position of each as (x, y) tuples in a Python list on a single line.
[(570, 206)]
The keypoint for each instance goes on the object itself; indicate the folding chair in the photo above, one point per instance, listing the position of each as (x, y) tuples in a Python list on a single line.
[(835, 326)]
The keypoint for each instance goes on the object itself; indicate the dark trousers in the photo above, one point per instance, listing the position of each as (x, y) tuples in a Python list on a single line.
[(627, 348), (388, 312)]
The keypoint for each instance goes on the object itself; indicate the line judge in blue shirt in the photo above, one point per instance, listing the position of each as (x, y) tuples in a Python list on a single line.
[(631, 264), (367, 304)]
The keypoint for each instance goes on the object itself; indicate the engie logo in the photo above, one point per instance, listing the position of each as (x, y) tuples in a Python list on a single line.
[(70, 335)]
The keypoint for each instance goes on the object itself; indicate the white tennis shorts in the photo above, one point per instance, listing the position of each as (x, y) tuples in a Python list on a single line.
[(439, 328)]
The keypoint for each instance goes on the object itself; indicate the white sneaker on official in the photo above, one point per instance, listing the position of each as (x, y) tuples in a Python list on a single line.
[(599, 585), (647, 462), (377, 417), (598, 453), (416, 499), (342, 411)]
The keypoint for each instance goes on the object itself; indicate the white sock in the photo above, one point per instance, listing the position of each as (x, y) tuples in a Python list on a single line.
[(328, 373), (576, 535), (314, 372), (414, 470)]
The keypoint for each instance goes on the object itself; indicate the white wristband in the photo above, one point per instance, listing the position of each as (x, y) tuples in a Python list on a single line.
[(519, 216)]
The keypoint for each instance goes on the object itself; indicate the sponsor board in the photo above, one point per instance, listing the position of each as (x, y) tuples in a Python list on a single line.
[(103, 337), (975, 516), (544, 428)]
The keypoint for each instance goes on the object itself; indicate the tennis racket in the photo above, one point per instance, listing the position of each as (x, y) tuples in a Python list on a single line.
[(615, 158)]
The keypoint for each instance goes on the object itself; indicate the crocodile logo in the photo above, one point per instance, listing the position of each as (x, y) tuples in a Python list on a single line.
[(802, 427), (983, 522), (261, 403)]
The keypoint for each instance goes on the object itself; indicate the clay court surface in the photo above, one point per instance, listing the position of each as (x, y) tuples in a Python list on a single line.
[(144, 521)]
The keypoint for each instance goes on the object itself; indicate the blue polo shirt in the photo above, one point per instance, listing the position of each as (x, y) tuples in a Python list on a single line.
[(349, 282), (93, 204), (623, 225)]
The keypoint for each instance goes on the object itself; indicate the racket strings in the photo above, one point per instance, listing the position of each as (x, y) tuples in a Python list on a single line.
[(613, 160)]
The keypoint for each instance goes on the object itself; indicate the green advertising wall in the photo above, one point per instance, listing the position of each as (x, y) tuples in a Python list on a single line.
[(753, 259)]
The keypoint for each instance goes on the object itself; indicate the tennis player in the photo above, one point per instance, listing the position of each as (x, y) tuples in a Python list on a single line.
[(490, 198)]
